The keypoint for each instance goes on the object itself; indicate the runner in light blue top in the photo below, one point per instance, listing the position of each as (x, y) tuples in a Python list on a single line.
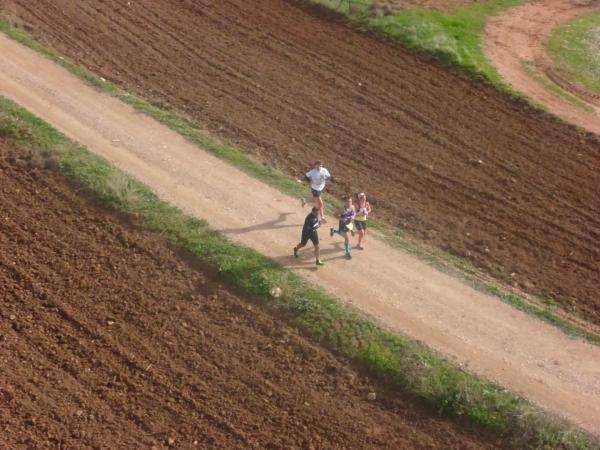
[(346, 226)]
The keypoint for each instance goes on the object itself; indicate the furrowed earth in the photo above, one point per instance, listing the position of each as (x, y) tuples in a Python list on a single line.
[(109, 339), (449, 160)]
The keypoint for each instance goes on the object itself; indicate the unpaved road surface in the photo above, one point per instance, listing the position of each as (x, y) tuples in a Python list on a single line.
[(109, 340), (518, 38), (491, 338), (450, 161)]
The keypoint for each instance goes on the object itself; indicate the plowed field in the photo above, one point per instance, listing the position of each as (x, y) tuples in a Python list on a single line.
[(449, 160), (108, 339)]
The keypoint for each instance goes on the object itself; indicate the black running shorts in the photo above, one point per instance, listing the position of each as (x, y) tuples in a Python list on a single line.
[(313, 236)]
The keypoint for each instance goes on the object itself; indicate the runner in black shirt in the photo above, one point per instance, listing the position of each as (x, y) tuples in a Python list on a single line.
[(309, 231)]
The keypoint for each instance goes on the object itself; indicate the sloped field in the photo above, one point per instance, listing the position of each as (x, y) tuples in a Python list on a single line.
[(453, 162), (108, 339)]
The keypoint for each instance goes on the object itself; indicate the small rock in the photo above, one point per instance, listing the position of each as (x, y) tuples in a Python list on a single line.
[(276, 292), (372, 396), (12, 317), (170, 442)]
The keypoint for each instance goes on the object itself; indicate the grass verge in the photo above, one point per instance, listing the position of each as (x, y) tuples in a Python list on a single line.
[(401, 361), (452, 36), (195, 133), (576, 47)]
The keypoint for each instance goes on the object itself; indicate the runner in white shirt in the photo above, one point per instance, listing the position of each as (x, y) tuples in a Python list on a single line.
[(318, 177)]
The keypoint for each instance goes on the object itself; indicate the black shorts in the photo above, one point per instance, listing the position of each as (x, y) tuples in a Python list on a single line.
[(313, 236), (360, 224), (315, 193)]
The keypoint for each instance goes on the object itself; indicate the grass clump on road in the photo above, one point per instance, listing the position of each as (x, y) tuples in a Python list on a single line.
[(452, 36), (576, 47), (403, 362)]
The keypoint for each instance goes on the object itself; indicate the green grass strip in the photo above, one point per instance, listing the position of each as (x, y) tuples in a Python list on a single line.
[(576, 47), (452, 36), (195, 133), (408, 364)]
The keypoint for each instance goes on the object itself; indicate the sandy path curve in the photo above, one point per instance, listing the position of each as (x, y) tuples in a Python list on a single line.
[(518, 37), (491, 338)]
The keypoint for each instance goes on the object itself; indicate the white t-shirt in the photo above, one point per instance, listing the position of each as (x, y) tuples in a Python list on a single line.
[(318, 178)]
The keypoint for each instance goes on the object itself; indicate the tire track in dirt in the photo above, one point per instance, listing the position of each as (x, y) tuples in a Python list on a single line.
[(109, 339), (290, 86)]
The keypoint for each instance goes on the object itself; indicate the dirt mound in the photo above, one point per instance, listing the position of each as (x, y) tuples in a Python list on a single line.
[(453, 162), (108, 339)]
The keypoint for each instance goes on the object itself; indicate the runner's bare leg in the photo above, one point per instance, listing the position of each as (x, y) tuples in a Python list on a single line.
[(321, 206)]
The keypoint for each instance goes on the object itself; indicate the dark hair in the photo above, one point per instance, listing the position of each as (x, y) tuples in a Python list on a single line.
[(318, 163), (315, 208)]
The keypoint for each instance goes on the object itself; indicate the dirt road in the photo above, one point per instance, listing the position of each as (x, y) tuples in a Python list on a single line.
[(110, 340), (491, 338), (451, 161), (518, 37)]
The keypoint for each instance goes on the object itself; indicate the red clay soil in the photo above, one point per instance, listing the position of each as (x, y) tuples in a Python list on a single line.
[(110, 340), (449, 160)]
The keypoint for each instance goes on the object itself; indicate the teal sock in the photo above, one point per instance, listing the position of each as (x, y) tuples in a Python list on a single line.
[(347, 247)]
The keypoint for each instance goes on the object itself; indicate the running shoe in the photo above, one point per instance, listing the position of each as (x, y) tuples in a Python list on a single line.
[(331, 232), (360, 247), (322, 220), (303, 202), (295, 252), (320, 263), (348, 255)]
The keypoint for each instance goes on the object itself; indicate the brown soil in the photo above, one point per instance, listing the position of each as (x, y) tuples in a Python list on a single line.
[(451, 161), (108, 339)]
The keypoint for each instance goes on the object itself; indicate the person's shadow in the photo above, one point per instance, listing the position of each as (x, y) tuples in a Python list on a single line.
[(270, 225)]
